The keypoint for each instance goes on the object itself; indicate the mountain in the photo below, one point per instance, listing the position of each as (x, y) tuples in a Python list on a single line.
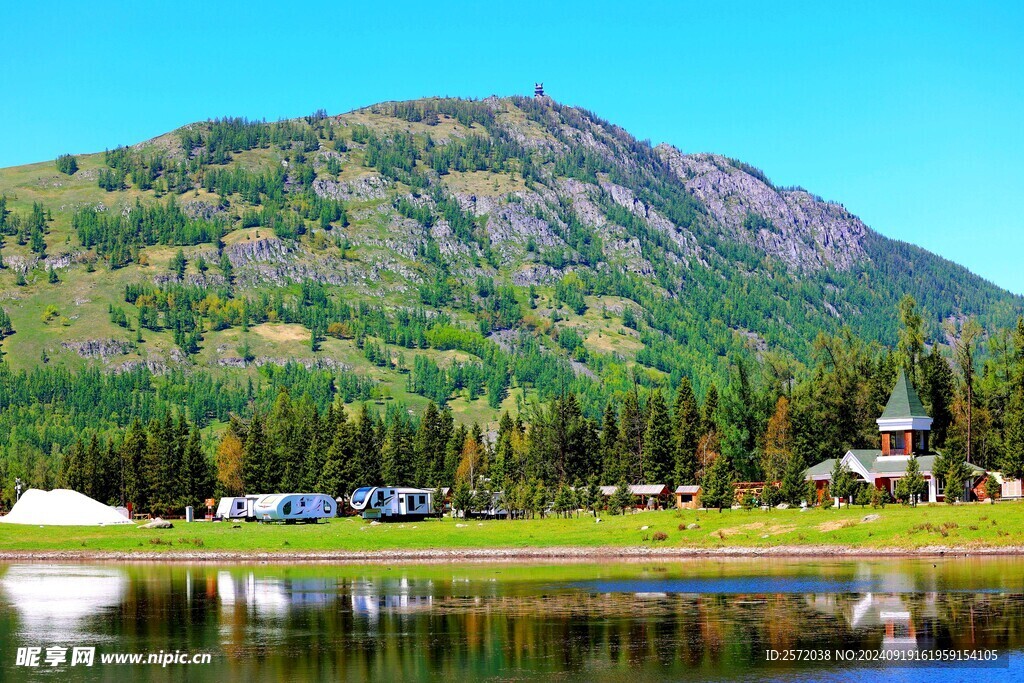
[(462, 251)]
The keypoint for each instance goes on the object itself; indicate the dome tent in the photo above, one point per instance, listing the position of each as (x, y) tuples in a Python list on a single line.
[(62, 507)]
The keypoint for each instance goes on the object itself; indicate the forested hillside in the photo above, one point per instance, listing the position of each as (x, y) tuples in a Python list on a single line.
[(480, 257)]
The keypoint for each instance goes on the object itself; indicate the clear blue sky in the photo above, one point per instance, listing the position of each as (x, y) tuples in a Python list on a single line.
[(913, 117)]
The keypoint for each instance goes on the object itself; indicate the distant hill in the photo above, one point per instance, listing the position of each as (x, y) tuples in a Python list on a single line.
[(454, 250)]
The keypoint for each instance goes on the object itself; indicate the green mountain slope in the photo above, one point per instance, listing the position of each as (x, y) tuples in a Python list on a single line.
[(468, 252)]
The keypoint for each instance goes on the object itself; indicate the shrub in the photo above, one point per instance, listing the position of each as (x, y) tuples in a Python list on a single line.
[(68, 164), (660, 536)]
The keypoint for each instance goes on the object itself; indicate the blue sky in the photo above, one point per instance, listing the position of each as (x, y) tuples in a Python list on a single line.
[(911, 116)]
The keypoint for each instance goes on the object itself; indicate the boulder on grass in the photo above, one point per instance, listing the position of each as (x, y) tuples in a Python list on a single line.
[(158, 523)]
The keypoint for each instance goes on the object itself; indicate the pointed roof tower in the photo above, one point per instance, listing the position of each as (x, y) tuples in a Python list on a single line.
[(904, 424), (904, 403)]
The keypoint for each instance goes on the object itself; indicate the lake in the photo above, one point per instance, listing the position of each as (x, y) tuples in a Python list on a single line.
[(637, 621)]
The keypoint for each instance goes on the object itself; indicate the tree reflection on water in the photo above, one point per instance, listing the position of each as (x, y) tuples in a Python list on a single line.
[(459, 622)]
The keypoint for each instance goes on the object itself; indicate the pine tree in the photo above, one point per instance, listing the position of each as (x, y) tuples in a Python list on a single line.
[(621, 499), (462, 498), (611, 460), (258, 472), (938, 384), (73, 473), (177, 265), (686, 435), (133, 453), (366, 450), (562, 503), (428, 449), (394, 457), (913, 483), (709, 416), (594, 495), (956, 475), (657, 454), (841, 484), (1013, 457), (794, 488), (197, 473), (482, 498), (717, 490), (6, 328), (632, 425)]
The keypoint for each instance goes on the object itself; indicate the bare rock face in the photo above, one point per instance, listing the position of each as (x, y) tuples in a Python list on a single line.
[(98, 348), (364, 188), (196, 209), (264, 249), (512, 221), (803, 231)]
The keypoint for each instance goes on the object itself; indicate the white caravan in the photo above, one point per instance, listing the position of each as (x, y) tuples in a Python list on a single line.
[(390, 503), (239, 507), (294, 507)]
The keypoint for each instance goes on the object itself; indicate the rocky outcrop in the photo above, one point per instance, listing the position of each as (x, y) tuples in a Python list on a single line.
[(803, 231), (98, 348), (196, 209), (364, 188)]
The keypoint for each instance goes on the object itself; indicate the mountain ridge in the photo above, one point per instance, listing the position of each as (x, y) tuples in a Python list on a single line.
[(490, 217)]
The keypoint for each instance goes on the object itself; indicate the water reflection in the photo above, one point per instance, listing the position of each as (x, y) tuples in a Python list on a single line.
[(695, 620), (55, 599)]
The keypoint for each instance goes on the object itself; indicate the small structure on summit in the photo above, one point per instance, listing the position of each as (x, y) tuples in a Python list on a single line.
[(538, 90)]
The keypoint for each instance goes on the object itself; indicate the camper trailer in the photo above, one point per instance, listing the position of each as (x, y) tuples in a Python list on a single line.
[(294, 507), (238, 507), (389, 503)]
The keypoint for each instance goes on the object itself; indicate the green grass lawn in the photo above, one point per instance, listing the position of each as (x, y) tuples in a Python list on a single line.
[(965, 527)]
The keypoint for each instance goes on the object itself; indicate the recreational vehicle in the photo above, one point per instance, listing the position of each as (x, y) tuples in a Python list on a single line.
[(389, 503), (239, 507), (294, 507)]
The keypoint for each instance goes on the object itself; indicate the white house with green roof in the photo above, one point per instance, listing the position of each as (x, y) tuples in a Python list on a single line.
[(904, 427)]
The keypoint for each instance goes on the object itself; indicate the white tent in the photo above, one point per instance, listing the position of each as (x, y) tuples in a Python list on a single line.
[(62, 507)]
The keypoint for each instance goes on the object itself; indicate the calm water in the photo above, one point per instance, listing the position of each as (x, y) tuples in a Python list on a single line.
[(692, 620)]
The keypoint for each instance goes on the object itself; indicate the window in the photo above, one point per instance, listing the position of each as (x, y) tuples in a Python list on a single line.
[(360, 495), (287, 509), (328, 509), (380, 498), (896, 439)]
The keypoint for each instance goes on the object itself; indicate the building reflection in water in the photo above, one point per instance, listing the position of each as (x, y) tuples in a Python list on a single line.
[(711, 620)]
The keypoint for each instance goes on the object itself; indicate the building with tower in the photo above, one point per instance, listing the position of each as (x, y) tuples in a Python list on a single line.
[(903, 429)]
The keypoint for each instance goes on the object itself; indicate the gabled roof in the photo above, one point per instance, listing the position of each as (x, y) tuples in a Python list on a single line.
[(691, 490), (903, 401), (872, 460), (638, 490), (823, 467), (648, 489)]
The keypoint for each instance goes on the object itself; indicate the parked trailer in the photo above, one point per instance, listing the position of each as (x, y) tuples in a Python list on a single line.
[(238, 507), (294, 507), (393, 503)]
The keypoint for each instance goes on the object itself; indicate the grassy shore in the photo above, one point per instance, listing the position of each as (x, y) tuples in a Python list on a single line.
[(896, 528)]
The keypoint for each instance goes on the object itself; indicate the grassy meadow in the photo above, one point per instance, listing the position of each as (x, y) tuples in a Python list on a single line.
[(963, 527)]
